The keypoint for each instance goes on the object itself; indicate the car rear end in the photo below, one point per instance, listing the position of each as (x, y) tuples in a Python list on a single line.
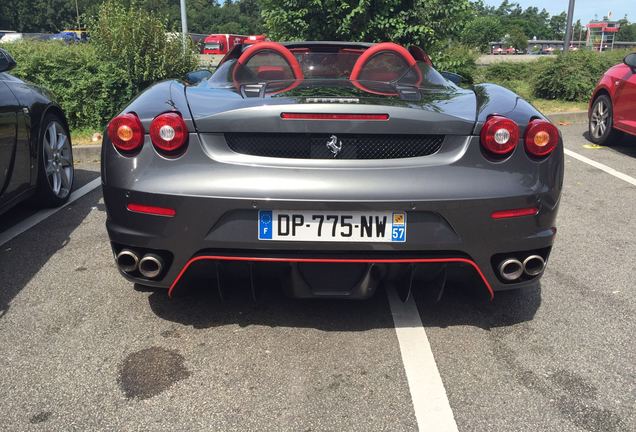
[(339, 193)]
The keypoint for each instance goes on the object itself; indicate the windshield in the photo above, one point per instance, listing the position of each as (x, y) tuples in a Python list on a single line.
[(378, 74), (270, 65), (212, 46)]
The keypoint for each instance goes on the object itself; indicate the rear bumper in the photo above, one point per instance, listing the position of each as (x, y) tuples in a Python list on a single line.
[(440, 231), (448, 205)]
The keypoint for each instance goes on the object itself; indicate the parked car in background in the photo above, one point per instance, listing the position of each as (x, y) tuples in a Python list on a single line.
[(11, 37), (220, 44), (65, 36), (36, 158), (4, 32), (612, 108), (252, 39), (81, 34), (336, 165), (547, 50)]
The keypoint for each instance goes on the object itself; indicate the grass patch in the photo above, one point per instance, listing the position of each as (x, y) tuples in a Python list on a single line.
[(523, 85), (84, 136), (548, 106)]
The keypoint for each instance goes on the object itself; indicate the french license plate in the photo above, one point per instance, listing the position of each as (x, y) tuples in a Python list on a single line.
[(327, 226)]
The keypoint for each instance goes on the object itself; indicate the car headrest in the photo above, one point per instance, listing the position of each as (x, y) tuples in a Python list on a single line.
[(378, 63), (270, 72)]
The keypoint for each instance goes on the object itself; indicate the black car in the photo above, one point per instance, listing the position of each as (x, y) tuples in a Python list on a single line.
[(36, 159)]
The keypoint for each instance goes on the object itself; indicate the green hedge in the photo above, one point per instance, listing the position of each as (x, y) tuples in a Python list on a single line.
[(513, 71), (458, 59), (572, 76), (569, 76), (517, 76), (89, 90), (138, 42), (93, 81)]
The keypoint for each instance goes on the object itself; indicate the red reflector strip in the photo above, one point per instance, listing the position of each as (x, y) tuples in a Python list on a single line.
[(504, 214), (152, 210), (320, 116), (331, 260)]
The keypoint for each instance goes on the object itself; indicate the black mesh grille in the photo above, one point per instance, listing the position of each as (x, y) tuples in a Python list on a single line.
[(326, 146)]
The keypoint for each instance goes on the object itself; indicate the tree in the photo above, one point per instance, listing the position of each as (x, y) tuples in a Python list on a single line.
[(557, 25), (37, 15), (482, 30), (578, 31), (422, 22), (135, 40), (517, 39), (204, 16), (627, 31), (532, 21)]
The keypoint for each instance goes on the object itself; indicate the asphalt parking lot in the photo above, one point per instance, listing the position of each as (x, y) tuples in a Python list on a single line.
[(83, 349)]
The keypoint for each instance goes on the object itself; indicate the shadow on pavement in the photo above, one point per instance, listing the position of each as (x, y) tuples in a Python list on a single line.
[(625, 145), (202, 308), (463, 303), (24, 256), (460, 305)]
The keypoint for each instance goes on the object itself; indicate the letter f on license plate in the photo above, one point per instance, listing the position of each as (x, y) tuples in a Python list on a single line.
[(328, 226)]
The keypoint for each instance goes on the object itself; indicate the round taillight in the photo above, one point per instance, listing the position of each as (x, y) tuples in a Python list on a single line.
[(542, 138), (168, 132), (126, 132), (499, 135)]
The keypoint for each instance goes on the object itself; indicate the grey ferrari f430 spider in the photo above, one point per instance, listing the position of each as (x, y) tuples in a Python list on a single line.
[(340, 165)]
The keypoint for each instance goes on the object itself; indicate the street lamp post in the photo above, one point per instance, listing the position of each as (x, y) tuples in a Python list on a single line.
[(77, 12), (568, 28), (184, 24)]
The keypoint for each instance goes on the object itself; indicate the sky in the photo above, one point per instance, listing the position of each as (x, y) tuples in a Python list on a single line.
[(583, 9)]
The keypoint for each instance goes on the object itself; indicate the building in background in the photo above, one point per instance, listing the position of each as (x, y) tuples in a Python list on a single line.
[(601, 34)]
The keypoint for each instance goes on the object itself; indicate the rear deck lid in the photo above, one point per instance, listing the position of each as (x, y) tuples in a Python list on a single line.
[(402, 109)]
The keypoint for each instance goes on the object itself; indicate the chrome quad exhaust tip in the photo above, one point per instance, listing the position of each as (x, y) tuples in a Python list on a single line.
[(533, 265), (150, 266), (511, 269), (127, 260)]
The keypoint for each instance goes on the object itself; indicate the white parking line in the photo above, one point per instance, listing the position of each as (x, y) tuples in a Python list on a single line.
[(32, 221), (602, 167), (430, 402)]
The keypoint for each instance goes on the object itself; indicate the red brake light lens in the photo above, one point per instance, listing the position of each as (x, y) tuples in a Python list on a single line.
[(126, 132), (541, 138), (499, 135), (168, 132), (321, 116)]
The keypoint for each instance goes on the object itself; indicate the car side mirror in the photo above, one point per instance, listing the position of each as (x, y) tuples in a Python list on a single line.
[(6, 61), (196, 77), (453, 77), (630, 60)]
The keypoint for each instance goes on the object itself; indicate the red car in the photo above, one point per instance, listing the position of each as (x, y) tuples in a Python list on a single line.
[(612, 108)]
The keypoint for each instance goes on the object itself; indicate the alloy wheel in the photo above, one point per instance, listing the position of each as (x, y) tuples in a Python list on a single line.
[(58, 160), (600, 119)]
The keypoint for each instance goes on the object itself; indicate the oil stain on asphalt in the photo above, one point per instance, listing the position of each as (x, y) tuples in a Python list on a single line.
[(40, 417), (564, 388), (146, 373)]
